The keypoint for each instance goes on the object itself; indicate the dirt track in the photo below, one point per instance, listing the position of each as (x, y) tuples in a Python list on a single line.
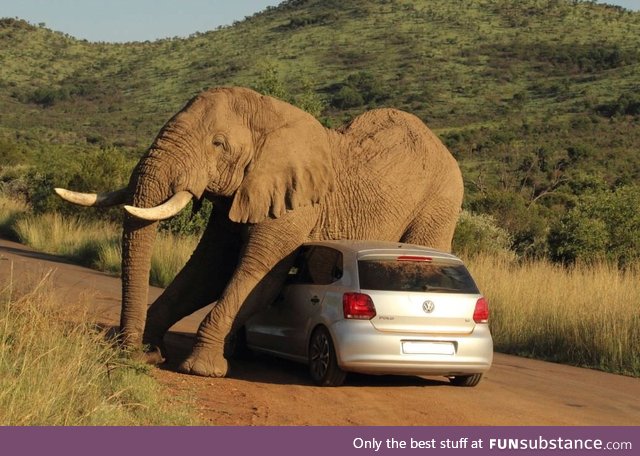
[(266, 391)]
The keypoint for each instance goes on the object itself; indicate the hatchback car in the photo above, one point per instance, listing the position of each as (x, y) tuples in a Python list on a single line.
[(377, 308)]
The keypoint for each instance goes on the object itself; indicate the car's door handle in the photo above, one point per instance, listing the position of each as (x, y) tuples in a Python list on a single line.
[(315, 300)]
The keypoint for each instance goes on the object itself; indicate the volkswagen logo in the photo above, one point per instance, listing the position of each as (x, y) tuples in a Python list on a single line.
[(428, 306)]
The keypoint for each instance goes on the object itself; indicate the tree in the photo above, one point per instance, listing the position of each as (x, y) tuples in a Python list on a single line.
[(270, 83), (604, 225)]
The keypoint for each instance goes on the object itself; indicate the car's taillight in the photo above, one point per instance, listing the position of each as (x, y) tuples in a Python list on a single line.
[(481, 312), (358, 306), (414, 258)]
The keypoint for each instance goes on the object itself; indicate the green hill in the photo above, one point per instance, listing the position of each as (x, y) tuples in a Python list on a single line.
[(538, 99)]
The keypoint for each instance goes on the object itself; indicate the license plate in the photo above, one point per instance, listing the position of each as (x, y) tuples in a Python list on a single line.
[(427, 348)]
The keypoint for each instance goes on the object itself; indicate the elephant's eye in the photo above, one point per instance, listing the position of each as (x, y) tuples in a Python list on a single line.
[(219, 142)]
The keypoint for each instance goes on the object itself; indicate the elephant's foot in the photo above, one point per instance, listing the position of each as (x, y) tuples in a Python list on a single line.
[(153, 354), (206, 362), (148, 355), (153, 349)]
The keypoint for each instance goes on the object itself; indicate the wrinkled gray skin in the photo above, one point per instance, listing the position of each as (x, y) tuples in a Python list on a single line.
[(277, 178)]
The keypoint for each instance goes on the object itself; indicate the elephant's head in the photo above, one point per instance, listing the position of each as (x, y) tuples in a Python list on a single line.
[(263, 154)]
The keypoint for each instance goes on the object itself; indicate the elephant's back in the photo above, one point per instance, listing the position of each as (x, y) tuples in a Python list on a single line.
[(389, 140)]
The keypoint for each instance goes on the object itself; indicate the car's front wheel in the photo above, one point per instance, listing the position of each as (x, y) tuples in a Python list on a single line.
[(323, 362), (466, 380)]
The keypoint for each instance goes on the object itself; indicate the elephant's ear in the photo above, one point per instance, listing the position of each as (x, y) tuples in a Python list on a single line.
[(293, 168)]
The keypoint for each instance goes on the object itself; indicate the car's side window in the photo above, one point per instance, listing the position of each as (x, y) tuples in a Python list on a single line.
[(317, 265)]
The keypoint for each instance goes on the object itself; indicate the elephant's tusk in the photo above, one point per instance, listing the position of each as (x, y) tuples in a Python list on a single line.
[(105, 199), (167, 209)]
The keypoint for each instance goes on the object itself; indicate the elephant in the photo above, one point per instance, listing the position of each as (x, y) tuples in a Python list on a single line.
[(277, 178)]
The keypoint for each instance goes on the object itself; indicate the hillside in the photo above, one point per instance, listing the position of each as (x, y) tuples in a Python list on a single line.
[(535, 97)]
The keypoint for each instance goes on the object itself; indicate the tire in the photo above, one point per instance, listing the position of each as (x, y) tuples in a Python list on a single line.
[(466, 380), (323, 362)]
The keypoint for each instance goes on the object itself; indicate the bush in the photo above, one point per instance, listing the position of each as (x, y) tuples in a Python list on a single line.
[(91, 171), (270, 83), (526, 223), (479, 233), (48, 96), (188, 223), (627, 104), (10, 153), (604, 225), (347, 97), (359, 89)]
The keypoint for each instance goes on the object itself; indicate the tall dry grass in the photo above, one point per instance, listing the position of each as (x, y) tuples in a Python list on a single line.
[(97, 244), (170, 253), (70, 237), (10, 212), (58, 370), (584, 315)]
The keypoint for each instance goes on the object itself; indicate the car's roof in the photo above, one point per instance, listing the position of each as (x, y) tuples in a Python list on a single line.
[(362, 248)]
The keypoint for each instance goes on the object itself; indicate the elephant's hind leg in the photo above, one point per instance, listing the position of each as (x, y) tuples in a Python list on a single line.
[(434, 225)]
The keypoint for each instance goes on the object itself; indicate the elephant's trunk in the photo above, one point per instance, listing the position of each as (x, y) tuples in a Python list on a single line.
[(151, 184), (137, 246)]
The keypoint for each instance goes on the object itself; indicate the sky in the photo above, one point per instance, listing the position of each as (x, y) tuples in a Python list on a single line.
[(141, 20)]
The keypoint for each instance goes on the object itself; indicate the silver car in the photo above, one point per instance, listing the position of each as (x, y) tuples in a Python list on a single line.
[(377, 308)]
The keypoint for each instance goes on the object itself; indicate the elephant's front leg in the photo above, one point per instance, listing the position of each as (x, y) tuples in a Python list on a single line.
[(268, 244), (201, 281)]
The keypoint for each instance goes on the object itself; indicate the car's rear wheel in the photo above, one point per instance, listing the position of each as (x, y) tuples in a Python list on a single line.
[(466, 380), (323, 362)]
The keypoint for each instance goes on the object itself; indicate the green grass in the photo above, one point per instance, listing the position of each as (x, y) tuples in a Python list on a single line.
[(515, 89), (454, 64), (56, 369)]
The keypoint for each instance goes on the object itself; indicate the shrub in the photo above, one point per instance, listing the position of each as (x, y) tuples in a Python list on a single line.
[(48, 96), (627, 104), (525, 222), (306, 98), (188, 223), (604, 225), (359, 89), (91, 171), (479, 233), (347, 97), (11, 153)]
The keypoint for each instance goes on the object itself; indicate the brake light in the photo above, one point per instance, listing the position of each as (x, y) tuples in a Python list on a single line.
[(481, 312), (414, 258), (358, 306)]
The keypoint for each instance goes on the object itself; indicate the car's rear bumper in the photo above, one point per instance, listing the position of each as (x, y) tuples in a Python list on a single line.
[(362, 348)]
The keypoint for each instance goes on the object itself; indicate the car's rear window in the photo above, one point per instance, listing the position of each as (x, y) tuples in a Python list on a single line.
[(421, 276)]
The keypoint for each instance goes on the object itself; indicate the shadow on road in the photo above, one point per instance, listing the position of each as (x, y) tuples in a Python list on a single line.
[(271, 370)]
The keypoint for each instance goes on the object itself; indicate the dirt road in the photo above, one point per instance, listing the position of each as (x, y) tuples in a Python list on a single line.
[(266, 391)]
